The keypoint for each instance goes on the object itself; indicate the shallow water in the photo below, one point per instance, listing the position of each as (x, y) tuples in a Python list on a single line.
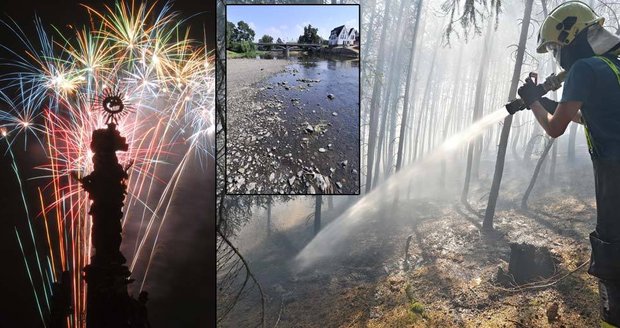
[(303, 89)]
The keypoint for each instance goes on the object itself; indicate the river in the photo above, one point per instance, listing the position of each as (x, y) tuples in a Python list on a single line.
[(305, 129)]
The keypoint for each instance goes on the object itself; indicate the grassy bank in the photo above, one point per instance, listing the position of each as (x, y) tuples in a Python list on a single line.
[(251, 54)]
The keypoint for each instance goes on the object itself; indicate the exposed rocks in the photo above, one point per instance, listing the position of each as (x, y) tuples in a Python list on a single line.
[(240, 181), (331, 96), (270, 154), (308, 80)]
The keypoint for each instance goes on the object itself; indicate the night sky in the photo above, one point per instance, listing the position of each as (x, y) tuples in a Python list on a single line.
[(188, 298)]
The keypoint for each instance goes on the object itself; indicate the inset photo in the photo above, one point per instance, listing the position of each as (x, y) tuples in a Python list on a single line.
[(292, 99)]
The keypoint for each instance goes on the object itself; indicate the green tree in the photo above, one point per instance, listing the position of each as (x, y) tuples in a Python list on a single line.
[(279, 41), (311, 35), (244, 46), (240, 38), (266, 39), (231, 34), (245, 32)]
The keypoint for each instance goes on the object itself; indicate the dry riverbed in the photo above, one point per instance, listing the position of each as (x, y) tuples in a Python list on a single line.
[(284, 132)]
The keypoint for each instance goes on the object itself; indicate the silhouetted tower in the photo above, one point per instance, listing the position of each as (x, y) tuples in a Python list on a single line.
[(108, 304)]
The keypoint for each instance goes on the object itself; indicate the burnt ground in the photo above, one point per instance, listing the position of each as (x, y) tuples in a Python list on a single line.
[(294, 132), (451, 282)]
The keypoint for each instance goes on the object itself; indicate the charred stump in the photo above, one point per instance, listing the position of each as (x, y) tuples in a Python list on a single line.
[(528, 263)]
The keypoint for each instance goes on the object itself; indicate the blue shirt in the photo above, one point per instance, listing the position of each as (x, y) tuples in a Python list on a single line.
[(593, 82)]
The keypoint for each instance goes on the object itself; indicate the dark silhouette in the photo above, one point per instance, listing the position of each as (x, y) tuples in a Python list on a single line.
[(108, 303), (140, 315), (61, 305)]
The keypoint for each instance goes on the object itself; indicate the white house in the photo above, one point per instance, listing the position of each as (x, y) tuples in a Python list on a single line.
[(342, 35)]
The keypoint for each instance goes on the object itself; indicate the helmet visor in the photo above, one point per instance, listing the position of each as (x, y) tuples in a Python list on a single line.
[(555, 48)]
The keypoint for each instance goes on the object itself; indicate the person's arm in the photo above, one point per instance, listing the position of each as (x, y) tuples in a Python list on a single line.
[(556, 124)]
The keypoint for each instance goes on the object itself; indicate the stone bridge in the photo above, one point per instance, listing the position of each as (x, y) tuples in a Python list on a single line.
[(286, 47)]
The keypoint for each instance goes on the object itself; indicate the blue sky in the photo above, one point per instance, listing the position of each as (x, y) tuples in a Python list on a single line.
[(287, 22)]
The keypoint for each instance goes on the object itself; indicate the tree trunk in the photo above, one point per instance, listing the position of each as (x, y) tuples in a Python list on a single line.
[(269, 217), (375, 101), (541, 160), (571, 142), (456, 93), (317, 214), (424, 107), (529, 149), (501, 153), (554, 156), (390, 87), (408, 88), (477, 114)]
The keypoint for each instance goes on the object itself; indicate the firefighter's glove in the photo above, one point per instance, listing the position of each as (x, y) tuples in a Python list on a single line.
[(548, 104), (552, 82), (530, 92)]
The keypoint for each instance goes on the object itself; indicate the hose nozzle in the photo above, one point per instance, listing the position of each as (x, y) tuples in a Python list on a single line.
[(552, 83), (515, 106)]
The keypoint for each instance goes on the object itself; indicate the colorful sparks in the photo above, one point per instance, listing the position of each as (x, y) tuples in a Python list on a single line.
[(132, 58)]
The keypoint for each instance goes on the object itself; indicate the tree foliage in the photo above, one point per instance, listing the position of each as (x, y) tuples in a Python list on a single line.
[(266, 39), (310, 35), (239, 37), (471, 17)]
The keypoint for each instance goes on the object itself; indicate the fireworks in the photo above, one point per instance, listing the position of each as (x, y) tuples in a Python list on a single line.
[(132, 57)]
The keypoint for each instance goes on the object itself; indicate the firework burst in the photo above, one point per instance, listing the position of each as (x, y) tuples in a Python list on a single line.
[(135, 66)]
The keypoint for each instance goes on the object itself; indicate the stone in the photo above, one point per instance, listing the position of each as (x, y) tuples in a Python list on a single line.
[(331, 96), (344, 163), (291, 180), (335, 114), (322, 150), (272, 176), (251, 186), (339, 185), (309, 128)]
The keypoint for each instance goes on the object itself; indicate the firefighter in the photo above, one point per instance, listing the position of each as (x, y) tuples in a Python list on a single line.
[(575, 36)]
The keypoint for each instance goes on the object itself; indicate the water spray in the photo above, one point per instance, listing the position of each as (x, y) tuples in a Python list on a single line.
[(552, 83)]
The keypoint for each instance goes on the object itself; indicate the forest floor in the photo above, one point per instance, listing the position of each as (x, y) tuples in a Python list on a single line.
[(452, 278)]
